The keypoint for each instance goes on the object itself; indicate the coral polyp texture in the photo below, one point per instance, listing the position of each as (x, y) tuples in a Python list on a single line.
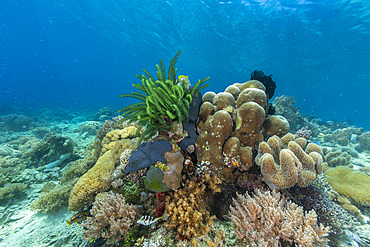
[(287, 161), (267, 219), (111, 218), (162, 101), (232, 124)]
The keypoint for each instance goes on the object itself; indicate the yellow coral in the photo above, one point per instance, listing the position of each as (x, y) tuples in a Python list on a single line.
[(118, 134), (186, 212), (350, 183), (97, 179)]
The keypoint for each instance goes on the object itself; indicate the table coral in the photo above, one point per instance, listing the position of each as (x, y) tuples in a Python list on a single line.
[(284, 163), (350, 183)]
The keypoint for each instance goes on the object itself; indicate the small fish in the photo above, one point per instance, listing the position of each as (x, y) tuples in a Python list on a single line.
[(184, 79), (78, 217), (147, 220)]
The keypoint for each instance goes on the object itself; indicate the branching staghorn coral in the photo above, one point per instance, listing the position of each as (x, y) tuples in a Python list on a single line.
[(162, 101), (267, 219)]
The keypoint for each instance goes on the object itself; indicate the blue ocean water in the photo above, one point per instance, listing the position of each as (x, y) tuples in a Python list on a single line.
[(83, 54)]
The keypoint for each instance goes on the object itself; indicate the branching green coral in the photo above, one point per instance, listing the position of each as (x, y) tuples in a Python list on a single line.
[(162, 101)]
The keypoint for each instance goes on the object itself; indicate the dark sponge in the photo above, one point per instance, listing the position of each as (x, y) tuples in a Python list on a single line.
[(147, 154)]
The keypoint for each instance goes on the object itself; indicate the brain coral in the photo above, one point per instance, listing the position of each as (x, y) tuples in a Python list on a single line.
[(284, 162)]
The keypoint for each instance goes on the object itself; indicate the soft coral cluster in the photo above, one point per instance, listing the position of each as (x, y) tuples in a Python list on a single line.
[(267, 219), (112, 218)]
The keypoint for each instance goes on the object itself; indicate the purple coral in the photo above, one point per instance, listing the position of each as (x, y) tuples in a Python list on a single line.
[(303, 132), (112, 218)]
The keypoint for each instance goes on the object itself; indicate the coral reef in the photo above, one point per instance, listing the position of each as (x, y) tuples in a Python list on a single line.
[(115, 135), (267, 219), (364, 141), (287, 161), (88, 128), (108, 125), (342, 136), (14, 122), (335, 157), (144, 157), (105, 114), (48, 150), (98, 178), (303, 132), (284, 105), (230, 126), (112, 218), (10, 189), (350, 183), (163, 101), (53, 197), (186, 211), (328, 212), (166, 176)]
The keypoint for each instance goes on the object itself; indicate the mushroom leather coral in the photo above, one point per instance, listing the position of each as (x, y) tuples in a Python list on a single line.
[(284, 163)]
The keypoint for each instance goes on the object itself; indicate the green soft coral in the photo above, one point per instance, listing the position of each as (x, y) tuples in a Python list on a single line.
[(162, 101)]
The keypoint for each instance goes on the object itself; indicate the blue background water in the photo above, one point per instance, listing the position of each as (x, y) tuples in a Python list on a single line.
[(82, 54)]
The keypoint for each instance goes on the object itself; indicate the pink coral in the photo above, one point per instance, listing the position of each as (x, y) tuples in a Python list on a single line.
[(112, 218), (267, 219)]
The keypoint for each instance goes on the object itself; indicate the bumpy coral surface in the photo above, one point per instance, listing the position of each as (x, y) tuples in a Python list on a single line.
[(231, 125), (284, 162), (351, 183), (112, 218), (97, 179), (186, 211), (267, 219)]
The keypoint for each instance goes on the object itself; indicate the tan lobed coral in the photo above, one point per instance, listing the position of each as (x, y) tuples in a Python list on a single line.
[(284, 162), (230, 128), (112, 218), (267, 219)]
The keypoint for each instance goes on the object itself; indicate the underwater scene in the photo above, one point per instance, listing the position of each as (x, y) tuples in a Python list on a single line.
[(185, 123)]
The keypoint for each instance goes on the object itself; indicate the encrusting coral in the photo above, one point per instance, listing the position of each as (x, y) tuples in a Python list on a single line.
[(112, 218), (267, 219), (162, 101), (284, 162)]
